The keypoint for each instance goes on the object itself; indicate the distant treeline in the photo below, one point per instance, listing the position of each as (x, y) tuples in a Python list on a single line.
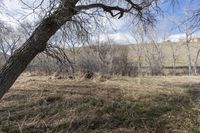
[(125, 60)]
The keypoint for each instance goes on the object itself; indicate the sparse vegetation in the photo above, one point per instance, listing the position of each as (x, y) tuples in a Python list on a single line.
[(121, 104), (70, 72)]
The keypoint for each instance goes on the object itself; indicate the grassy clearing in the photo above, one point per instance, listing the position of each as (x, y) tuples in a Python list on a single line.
[(122, 104)]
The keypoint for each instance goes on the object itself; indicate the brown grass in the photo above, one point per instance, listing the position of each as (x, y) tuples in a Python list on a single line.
[(181, 53), (122, 104)]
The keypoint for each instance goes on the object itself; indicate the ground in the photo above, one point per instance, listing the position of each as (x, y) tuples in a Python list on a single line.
[(120, 105)]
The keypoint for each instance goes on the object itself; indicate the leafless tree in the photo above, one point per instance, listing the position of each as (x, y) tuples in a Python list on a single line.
[(174, 48), (189, 31), (196, 62), (139, 36), (153, 52), (104, 51), (10, 41), (120, 63), (189, 25), (88, 62), (64, 11)]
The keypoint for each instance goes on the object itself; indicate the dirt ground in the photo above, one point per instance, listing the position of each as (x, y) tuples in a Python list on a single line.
[(39, 104)]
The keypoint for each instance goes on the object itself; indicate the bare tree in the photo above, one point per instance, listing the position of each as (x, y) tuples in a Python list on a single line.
[(196, 62), (153, 52), (104, 52), (9, 41), (188, 30), (4, 48), (55, 18), (189, 25), (120, 64), (174, 47), (139, 36)]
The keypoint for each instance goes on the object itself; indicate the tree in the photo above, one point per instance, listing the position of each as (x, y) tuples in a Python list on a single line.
[(104, 51), (189, 31), (9, 40), (174, 53), (153, 53), (65, 11), (189, 25), (139, 37), (196, 62)]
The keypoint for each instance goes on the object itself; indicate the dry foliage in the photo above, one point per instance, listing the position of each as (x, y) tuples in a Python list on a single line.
[(121, 104)]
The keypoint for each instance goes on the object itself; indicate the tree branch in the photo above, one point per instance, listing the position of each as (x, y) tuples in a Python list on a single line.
[(106, 8)]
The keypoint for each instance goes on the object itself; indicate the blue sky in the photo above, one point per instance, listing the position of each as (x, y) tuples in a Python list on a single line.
[(120, 31), (175, 15), (168, 24)]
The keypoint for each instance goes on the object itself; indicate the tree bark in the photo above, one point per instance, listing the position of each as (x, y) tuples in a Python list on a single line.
[(196, 62), (37, 42)]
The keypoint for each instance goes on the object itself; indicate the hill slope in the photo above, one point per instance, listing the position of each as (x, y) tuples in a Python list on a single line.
[(166, 48)]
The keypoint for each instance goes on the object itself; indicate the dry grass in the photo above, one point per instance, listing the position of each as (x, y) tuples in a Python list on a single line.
[(121, 104), (181, 53)]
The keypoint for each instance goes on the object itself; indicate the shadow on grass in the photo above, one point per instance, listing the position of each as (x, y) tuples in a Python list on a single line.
[(159, 113)]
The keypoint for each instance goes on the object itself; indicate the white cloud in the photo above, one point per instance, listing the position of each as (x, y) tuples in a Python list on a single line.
[(15, 10), (176, 37), (11, 12), (119, 38)]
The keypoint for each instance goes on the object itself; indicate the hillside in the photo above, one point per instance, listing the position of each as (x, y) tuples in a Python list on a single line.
[(88, 56), (181, 53), (166, 48)]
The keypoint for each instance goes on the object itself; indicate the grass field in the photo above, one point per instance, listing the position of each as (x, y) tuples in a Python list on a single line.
[(120, 105)]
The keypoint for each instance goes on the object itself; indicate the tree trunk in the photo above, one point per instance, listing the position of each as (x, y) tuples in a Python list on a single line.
[(189, 60), (196, 63), (37, 42)]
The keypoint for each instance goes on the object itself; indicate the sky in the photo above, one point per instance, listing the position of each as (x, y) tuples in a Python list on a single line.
[(122, 30)]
